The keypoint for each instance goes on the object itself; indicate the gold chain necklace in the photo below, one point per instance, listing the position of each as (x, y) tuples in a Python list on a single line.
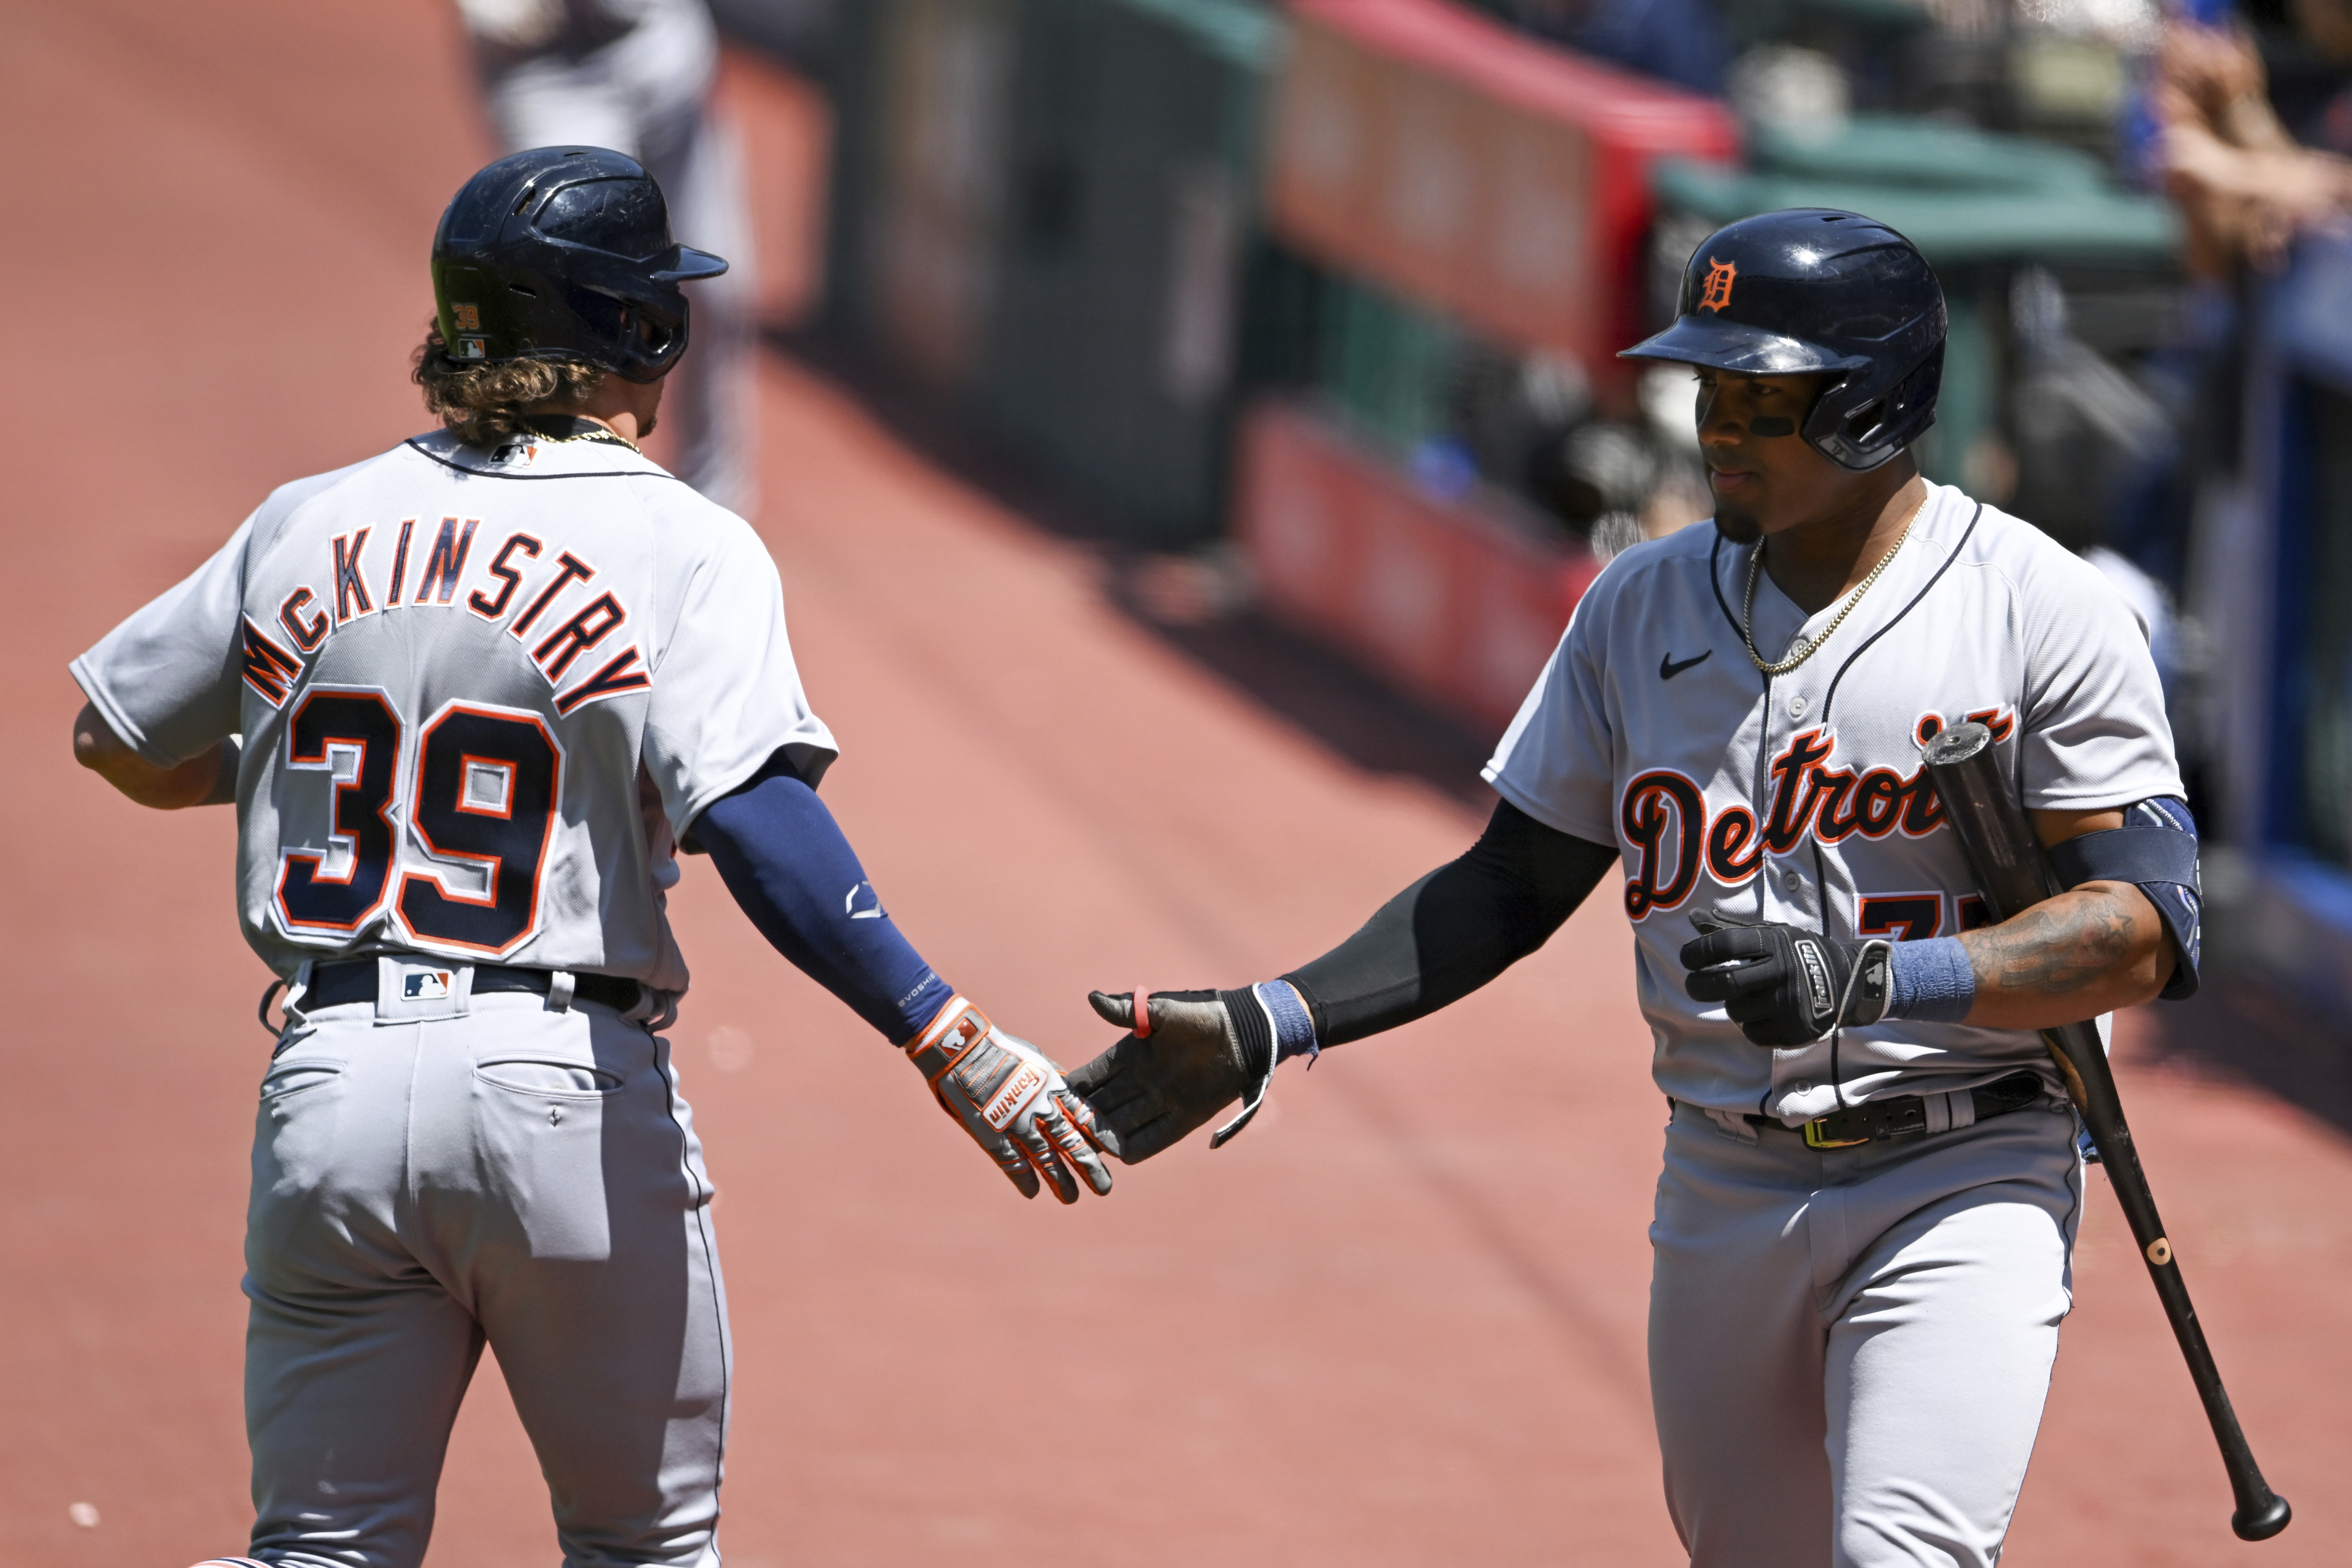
[(1806, 650), (596, 431)]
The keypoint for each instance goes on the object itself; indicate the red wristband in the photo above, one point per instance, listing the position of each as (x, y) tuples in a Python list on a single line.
[(1142, 1014)]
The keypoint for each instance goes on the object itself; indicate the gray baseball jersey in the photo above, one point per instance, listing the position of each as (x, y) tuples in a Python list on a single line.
[(1800, 798), (481, 695)]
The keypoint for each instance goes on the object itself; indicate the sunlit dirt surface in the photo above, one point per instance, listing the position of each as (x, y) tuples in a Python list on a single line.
[(1399, 1322)]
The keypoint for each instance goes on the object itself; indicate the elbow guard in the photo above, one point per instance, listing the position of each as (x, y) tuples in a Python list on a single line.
[(2156, 851)]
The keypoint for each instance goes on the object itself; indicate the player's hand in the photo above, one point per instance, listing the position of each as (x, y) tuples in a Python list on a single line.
[(1151, 1092), (1784, 986), (1013, 1100)]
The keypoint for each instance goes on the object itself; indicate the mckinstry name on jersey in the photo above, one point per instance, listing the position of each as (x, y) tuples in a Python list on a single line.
[(1801, 798), (466, 682)]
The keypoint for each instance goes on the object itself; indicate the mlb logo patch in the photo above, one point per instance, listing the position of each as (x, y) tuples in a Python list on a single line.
[(430, 986), (472, 348)]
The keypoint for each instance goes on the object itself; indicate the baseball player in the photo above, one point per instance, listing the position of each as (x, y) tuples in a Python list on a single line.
[(637, 76), (470, 696), (1871, 1182)]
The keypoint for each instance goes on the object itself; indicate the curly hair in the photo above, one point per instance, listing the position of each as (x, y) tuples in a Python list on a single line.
[(482, 405)]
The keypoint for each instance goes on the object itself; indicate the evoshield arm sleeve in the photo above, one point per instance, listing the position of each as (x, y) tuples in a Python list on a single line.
[(786, 863)]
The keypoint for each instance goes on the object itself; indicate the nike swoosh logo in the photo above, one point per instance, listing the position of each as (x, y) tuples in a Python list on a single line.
[(1668, 668)]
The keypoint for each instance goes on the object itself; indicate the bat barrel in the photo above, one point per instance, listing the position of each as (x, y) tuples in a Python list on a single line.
[(2012, 874)]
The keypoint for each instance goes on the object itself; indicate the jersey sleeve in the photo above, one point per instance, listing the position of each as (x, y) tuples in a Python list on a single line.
[(166, 679), (1557, 761), (725, 693), (2096, 732)]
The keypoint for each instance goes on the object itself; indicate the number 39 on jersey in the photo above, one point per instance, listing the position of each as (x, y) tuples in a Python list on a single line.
[(478, 786)]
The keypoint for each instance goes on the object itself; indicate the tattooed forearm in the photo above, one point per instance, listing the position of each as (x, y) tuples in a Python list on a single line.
[(2080, 955), (2057, 947)]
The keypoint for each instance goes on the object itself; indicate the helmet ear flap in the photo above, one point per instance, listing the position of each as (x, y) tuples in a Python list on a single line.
[(565, 250), (1859, 431), (651, 339)]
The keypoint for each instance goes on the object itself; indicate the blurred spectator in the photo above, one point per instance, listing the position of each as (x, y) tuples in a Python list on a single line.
[(637, 76), (1798, 92), (2245, 186), (1606, 475), (1679, 41)]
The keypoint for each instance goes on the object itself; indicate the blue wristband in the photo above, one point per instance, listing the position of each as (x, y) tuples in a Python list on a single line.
[(1293, 1026), (1931, 981)]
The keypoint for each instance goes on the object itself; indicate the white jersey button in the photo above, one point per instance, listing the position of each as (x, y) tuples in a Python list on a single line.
[(1802, 1086), (1796, 707), (1794, 881)]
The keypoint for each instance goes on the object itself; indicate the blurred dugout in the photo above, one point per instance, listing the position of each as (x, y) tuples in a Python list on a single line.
[(637, 76), (1344, 278), (1043, 209)]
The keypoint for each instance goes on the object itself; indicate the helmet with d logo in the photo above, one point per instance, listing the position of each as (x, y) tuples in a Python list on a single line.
[(1816, 291)]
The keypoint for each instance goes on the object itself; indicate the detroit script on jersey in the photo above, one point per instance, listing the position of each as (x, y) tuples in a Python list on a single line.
[(480, 694), (1665, 817), (1801, 798)]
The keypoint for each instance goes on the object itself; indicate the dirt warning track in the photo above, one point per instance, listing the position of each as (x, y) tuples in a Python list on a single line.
[(1399, 1323)]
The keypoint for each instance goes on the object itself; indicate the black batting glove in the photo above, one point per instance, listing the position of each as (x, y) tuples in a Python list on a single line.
[(1784, 986), (1205, 1051)]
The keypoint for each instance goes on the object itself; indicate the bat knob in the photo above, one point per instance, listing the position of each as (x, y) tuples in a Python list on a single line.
[(2260, 1521)]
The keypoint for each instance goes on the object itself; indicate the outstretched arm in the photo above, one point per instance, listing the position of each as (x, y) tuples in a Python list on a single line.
[(789, 867), (209, 779), (786, 863), (1197, 1052), (1453, 931)]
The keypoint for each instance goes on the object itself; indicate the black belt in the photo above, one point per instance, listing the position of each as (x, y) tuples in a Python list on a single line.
[(340, 984), (1905, 1115)]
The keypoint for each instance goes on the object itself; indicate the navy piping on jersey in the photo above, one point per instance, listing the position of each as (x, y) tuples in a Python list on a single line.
[(596, 474), (1966, 534), (1821, 870), (1764, 747), (1763, 751)]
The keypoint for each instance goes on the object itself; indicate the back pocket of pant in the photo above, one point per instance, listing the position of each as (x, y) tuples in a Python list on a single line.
[(543, 1076), (286, 1079)]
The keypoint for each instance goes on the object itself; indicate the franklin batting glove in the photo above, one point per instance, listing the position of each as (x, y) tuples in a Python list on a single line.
[(1012, 1100), (1784, 986)]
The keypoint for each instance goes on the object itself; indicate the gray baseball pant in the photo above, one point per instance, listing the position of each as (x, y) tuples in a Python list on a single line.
[(515, 1175), (1850, 1349)]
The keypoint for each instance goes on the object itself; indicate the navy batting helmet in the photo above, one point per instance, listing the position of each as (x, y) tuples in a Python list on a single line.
[(1809, 291), (565, 252)]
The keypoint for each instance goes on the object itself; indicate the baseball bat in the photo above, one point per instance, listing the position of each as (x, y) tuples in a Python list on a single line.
[(2013, 874)]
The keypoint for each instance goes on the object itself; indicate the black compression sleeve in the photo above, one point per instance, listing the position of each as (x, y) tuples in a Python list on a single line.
[(1455, 930)]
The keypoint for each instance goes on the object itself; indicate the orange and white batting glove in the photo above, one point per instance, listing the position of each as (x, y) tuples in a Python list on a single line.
[(1011, 1098)]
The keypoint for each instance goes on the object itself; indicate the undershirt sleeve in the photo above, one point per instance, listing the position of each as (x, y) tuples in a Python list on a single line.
[(1455, 930), (785, 861)]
